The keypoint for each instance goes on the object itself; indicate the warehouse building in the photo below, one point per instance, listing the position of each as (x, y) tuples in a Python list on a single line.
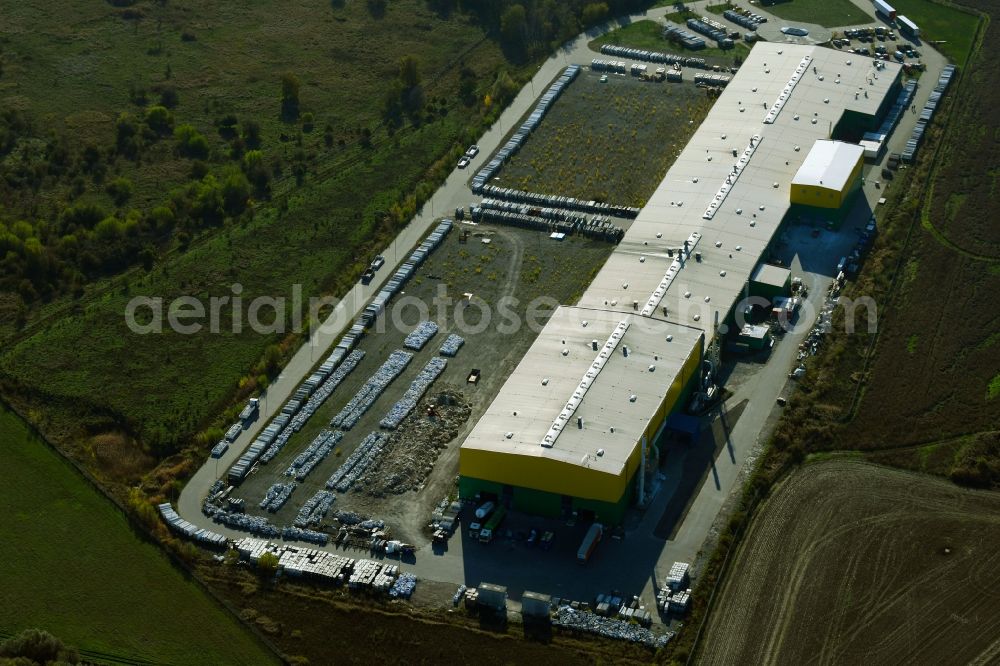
[(568, 429), (546, 445), (828, 179)]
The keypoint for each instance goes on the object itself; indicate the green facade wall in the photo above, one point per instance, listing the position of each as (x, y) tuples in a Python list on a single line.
[(541, 503)]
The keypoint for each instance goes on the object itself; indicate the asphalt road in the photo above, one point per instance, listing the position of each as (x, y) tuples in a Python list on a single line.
[(757, 392)]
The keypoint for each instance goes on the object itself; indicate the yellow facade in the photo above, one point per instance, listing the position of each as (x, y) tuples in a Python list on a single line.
[(818, 196), (546, 474)]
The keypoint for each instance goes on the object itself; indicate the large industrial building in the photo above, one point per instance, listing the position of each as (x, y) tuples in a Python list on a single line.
[(581, 415)]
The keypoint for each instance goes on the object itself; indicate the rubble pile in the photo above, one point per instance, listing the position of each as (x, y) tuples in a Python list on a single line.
[(411, 451)]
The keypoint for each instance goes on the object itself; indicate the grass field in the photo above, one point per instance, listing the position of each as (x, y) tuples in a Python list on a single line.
[(849, 562), (942, 22), (228, 60), (597, 135), (73, 567), (648, 35), (828, 13)]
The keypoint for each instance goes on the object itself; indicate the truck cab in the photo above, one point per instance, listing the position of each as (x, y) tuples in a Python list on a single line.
[(485, 535)]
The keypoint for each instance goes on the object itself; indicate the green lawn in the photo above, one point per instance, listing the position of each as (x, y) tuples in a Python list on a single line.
[(829, 13), (648, 35), (72, 566), (940, 22)]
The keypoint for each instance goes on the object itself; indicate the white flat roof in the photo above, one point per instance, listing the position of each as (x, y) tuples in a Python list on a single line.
[(616, 407), (829, 164), (733, 241), (646, 273), (771, 274)]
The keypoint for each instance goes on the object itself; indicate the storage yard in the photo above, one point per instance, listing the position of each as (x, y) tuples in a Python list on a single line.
[(848, 562), (610, 141), (370, 442)]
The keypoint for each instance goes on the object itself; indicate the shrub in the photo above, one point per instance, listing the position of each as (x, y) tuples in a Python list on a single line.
[(159, 119), (120, 189), (190, 142)]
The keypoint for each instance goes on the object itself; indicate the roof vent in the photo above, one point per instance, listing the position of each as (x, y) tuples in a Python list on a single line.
[(762, 206), (687, 294), (697, 317), (718, 243), (642, 260), (508, 435), (593, 345), (584, 323), (739, 247), (652, 367), (670, 338), (693, 180), (775, 186), (545, 381), (579, 422), (625, 351), (565, 352), (600, 452), (708, 299), (659, 235), (633, 398), (722, 273), (624, 285)]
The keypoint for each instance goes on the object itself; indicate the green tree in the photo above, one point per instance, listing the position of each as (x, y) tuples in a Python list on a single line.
[(127, 135), (290, 96), (235, 191), (251, 134), (594, 13), (190, 142), (120, 189), (159, 119), (169, 98), (514, 28), (267, 565), (409, 71), (34, 646)]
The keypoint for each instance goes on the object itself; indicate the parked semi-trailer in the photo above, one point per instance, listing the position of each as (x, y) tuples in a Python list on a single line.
[(486, 534), (594, 535), (885, 9)]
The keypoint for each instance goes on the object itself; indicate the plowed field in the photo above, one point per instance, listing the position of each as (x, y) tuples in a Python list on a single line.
[(850, 563)]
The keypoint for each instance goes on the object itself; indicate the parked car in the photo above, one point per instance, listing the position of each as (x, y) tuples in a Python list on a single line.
[(464, 162), (472, 151)]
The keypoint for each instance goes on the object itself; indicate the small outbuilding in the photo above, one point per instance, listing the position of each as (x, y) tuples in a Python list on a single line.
[(493, 597), (829, 174), (770, 281), (535, 606)]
